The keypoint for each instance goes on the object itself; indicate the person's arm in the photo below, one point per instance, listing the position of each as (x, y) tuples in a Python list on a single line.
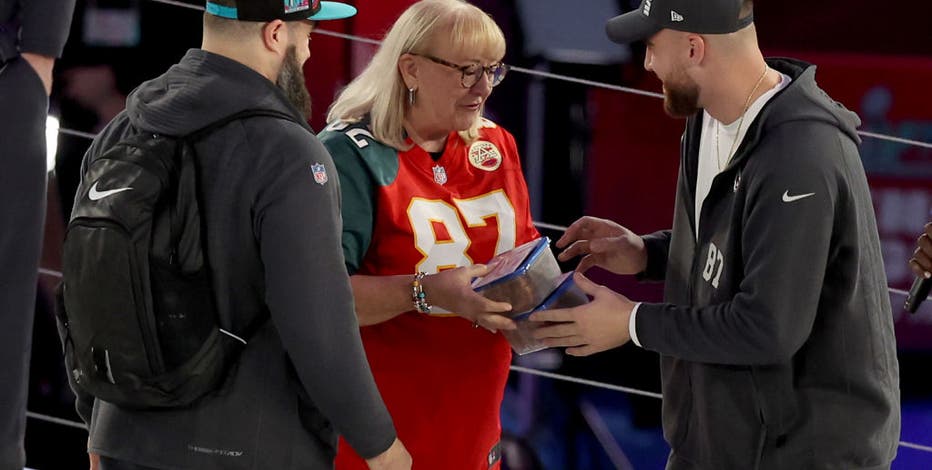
[(92, 458), (308, 291), (657, 246), (784, 264), (381, 298), (45, 27), (395, 458)]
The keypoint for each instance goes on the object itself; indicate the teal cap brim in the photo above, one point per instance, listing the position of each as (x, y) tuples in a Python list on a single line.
[(333, 11)]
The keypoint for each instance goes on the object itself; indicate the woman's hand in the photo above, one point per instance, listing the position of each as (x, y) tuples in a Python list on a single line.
[(451, 290)]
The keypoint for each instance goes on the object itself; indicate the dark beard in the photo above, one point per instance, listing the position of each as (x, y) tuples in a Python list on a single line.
[(681, 97), (291, 81)]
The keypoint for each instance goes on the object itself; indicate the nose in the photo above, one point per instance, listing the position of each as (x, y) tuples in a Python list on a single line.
[(648, 58), (483, 86)]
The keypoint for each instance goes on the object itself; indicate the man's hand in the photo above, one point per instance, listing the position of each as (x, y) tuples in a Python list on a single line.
[(921, 261), (43, 67), (594, 327), (452, 290), (605, 244), (395, 457)]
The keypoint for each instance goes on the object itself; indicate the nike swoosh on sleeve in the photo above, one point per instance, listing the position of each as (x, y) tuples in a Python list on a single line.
[(788, 198)]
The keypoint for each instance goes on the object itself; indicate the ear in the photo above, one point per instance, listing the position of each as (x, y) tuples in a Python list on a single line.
[(697, 46), (407, 66), (275, 36)]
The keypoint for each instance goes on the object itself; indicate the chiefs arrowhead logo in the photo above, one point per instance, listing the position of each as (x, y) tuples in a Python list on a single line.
[(484, 155)]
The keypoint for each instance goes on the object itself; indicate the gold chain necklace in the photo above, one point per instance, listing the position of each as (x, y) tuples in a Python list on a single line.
[(718, 124)]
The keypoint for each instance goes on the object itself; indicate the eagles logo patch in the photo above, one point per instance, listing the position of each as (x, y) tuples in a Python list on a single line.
[(484, 155)]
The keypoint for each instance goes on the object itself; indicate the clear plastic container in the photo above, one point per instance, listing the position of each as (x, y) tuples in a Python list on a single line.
[(522, 276), (566, 294)]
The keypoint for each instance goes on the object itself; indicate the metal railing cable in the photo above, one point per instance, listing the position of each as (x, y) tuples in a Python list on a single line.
[(591, 383), (54, 420)]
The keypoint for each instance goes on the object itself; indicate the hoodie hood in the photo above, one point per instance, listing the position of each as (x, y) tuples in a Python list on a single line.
[(803, 89), (203, 88)]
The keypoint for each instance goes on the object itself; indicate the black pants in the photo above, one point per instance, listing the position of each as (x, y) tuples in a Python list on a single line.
[(23, 110)]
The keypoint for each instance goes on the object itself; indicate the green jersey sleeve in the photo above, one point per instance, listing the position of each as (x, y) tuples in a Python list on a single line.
[(358, 192), (364, 165)]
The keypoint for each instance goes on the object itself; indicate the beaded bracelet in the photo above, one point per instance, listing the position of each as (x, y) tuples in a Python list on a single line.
[(417, 294)]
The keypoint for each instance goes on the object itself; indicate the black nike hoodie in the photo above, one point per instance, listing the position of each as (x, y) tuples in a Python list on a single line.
[(776, 335)]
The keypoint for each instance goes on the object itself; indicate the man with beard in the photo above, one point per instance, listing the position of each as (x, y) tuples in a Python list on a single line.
[(270, 206), (776, 332)]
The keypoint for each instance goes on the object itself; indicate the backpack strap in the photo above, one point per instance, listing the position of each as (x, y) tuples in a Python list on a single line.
[(186, 141)]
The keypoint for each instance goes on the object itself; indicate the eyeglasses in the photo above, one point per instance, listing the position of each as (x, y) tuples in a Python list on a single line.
[(472, 72)]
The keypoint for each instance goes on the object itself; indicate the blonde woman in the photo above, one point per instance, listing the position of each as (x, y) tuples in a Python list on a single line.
[(430, 188)]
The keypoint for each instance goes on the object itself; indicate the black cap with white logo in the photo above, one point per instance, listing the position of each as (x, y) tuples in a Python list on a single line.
[(694, 16)]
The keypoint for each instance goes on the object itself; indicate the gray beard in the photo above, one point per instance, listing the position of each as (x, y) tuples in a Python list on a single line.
[(291, 82)]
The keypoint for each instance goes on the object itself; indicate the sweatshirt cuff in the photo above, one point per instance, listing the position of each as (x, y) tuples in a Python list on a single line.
[(632, 325), (656, 245), (372, 452)]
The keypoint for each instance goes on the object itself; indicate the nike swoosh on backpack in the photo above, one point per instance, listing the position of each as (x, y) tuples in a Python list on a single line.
[(96, 195)]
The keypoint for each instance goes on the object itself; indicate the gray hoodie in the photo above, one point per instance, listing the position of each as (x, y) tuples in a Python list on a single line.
[(273, 233), (776, 338)]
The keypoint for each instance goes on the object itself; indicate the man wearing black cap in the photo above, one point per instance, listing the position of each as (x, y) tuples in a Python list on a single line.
[(776, 332), (269, 198)]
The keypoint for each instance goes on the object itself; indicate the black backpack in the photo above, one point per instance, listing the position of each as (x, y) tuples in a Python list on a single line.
[(136, 311)]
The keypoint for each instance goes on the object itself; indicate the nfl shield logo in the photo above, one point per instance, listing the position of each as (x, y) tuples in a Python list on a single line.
[(320, 173), (440, 175)]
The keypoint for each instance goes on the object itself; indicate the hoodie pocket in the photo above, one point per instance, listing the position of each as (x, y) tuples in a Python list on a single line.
[(725, 425)]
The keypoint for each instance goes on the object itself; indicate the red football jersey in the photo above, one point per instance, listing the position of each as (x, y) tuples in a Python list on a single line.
[(442, 379)]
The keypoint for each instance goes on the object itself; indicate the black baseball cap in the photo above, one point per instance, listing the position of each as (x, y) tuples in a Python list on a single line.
[(693, 16), (287, 10)]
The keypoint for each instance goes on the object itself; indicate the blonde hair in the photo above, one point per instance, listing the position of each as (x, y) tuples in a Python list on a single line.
[(380, 91)]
